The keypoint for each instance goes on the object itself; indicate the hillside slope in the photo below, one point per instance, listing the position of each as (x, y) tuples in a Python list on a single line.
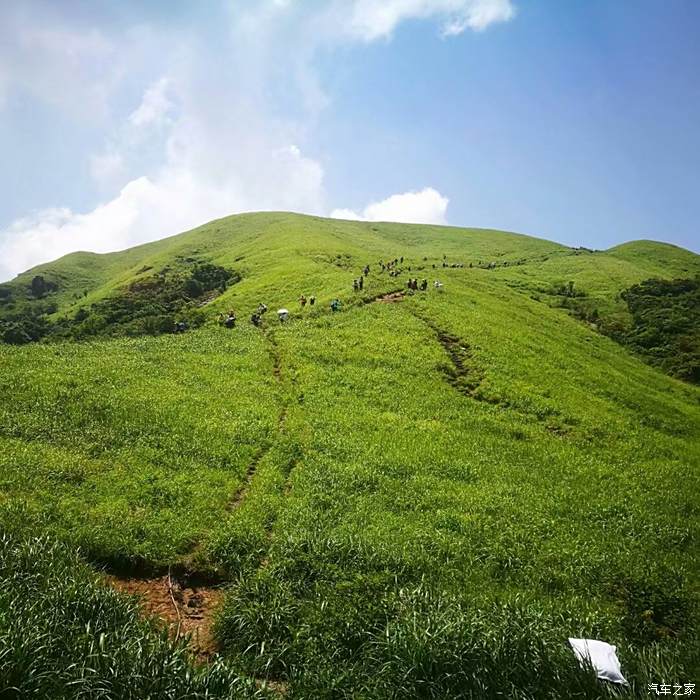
[(415, 496), (302, 248), (240, 261)]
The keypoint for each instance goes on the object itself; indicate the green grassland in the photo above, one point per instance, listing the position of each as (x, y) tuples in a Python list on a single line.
[(412, 499)]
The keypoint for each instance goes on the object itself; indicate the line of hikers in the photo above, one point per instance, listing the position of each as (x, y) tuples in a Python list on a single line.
[(311, 300), (229, 319), (415, 286), (423, 285), (392, 266)]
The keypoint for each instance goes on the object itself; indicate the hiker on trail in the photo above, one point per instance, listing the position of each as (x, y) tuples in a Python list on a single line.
[(262, 308), (335, 305), (283, 315), (255, 319), (302, 301), (312, 300)]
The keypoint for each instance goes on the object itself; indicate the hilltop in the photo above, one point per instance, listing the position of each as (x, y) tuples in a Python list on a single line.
[(420, 495), (242, 260)]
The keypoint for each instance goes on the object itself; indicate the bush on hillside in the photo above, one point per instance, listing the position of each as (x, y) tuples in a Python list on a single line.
[(666, 325), (665, 322), (148, 306)]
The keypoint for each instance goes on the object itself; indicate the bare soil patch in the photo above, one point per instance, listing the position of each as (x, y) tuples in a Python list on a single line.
[(392, 298), (180, 605)]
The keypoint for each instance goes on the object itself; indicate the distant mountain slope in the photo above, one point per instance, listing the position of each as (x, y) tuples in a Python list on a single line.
[(274, 238), (658, 258), (274, 257), (281, 239)]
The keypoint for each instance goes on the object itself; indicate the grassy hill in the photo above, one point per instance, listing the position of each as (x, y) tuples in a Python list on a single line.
[(417, 498)]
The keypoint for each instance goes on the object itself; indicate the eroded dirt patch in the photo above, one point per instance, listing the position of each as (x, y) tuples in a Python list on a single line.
[(182, 606), (462, 374), (392, 298)]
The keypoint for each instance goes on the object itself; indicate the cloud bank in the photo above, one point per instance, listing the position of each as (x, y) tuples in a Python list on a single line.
[(427, 206), (376, 19), (206, 135)]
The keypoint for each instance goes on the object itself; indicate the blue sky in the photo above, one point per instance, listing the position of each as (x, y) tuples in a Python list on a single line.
[(121, 123)]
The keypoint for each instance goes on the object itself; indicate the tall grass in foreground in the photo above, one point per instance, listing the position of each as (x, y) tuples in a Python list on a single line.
[(62, 635)]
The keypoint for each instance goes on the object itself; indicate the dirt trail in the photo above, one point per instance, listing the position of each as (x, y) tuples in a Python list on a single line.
[(242, 491), (180, 605), (390, 298), (463, 375), (466, 377), (184, 603)]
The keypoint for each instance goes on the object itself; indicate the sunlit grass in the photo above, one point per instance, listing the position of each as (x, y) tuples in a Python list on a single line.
[(411, 527)]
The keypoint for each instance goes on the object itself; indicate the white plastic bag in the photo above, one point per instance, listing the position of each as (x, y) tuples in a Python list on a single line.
[(601, 656)]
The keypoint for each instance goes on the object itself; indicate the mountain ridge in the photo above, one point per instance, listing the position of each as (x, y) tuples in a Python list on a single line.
[(122, 262)]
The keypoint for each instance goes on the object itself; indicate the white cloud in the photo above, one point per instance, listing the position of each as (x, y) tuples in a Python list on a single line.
[(208, 157), (72, 70), (205, 138), (426, 206), (348, 214), (155, 106), (107, 167), (148, 209), (376, 19)]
